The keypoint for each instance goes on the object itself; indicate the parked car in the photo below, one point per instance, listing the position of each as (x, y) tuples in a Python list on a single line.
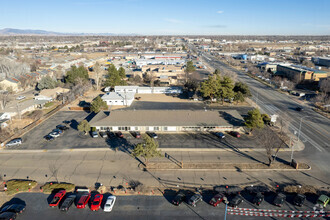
[(119, 134), (111, 134), (62, 127), (220, 135), (94, 134), (195, 199), (54, 134), (152, 134), (103, 134), (299, 200), (109, 203), (83, 200), (137, 134), (258, 198), (8, 216), (299, 109), (217, 199), (49, 137), (17, 208), (20, 97), (57, 198), (58, 130), (236, 201), (96, 203), (67, 203), (14, 142), (279, 199), (235, 134), (323, 200), (179, 198)]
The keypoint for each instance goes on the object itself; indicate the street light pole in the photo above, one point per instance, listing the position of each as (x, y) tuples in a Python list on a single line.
[(300, 126)]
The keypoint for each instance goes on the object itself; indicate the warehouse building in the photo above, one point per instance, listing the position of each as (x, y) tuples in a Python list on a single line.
[(167, 120), (300, 73), (119, 98), (322, 61), (148, 90)]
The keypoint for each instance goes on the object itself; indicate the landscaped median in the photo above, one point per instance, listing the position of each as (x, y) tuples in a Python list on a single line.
[(18, 185), (49, 187), (224, 166)]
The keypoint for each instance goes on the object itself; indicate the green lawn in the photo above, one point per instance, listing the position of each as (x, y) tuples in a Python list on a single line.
[(16, 186)]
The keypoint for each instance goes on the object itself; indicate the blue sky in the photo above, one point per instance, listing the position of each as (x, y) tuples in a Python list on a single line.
[(249, 17)]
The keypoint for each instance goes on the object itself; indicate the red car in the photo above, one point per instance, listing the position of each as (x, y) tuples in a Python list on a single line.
[(119, 134), (96, 203), (217, 199), (57, 198), (83, 201), (235, 134)]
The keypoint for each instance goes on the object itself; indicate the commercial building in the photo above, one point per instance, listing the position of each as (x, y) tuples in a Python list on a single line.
[(167, 120), (322, 61), (119, 98), (148, 90), (300, 73)]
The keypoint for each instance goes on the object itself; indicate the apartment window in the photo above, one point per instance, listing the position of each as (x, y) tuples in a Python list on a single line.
[(147, 128), (156, 128), (165, 128), (136, 128)]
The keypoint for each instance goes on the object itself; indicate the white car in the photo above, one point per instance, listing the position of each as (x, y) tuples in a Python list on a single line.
[(20, 97), (109, 203), (54, 134)]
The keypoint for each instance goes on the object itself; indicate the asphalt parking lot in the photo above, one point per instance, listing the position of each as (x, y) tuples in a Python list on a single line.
[(72, 138), (147, 207)]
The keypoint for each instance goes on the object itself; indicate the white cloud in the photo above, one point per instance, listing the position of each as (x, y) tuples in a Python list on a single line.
[(173, 21), (219, 12)]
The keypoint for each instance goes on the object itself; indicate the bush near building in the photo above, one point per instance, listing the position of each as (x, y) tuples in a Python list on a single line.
[(49, 187)]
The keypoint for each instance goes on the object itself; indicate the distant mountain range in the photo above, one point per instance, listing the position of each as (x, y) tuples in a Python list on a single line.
[(11, 32)]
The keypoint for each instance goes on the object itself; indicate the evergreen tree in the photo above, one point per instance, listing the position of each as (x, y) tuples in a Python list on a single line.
[(148, 149), (254, 119), (76, 74), (98, 104), (114, 78)]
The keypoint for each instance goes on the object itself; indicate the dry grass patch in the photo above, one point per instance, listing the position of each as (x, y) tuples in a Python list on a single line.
[(49, 187), (16, 186)]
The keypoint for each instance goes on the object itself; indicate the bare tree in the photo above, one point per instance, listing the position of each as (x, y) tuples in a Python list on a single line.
[(5, 97), (270, 141), (325, 85), (98, 74)]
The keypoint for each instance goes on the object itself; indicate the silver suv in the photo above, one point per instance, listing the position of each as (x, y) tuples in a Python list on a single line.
[(14, 142)]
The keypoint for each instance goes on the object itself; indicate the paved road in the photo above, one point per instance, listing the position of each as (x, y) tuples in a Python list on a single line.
[(115, 168), (143, 207), (315, 129)]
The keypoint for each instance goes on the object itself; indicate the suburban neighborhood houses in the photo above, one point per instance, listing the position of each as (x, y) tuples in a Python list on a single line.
[(138, 110)]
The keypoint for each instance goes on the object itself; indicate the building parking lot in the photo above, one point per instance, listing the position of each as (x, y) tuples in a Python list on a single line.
[(152, 207)]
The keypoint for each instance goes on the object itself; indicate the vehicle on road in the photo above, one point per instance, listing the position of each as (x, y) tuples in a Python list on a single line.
[(102, 134), (323, 200), (258, 198), (58, 130), (49, 137), (96, 202), (179, 198), (152, 134), (21, 97), (299, 200), (299, 109), (57, 198), (220, 135), (54, 134), (236, 201), (83, 200), (95, 134), (67, 203), (119, 134), (279, 199), (14, 142), (217, 199), (109, 203), (62, 127), (8, 216), (195, 199), (235, 134), (17, 208)]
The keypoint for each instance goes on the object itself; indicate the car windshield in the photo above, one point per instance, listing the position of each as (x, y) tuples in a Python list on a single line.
[(95, 202)]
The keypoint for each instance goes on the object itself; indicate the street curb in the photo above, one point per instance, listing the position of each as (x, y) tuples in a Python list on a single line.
[(247, 170), (5, 151)]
